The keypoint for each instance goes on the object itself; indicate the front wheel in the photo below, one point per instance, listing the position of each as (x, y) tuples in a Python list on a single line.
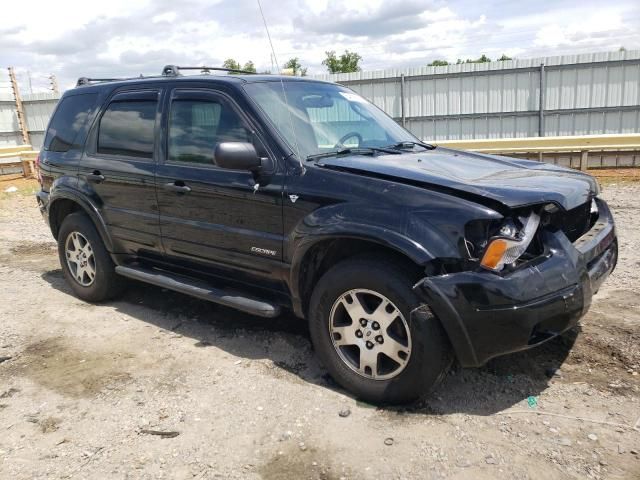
[(374, 335)]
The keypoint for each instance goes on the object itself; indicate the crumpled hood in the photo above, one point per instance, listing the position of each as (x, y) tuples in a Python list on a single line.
[(512, 182)]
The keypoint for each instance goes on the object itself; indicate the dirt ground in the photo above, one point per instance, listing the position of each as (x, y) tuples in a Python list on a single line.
[(85, 388)]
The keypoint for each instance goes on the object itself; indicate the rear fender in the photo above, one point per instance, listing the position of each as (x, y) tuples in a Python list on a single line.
[(64, 192)]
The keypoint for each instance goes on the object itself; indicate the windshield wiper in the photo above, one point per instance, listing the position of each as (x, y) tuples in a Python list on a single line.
[(410, 144), (355, 151)]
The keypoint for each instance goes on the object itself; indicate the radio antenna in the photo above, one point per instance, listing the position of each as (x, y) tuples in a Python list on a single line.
[(284, 93)]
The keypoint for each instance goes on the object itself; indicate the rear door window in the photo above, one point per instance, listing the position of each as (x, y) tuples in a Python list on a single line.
[(70, 117), (127, 128)]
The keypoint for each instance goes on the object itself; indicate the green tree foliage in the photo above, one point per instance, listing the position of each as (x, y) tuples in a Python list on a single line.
[(346, 63), (438, 63), (232, 64), (295, 65), (483, 59), (504, 58)]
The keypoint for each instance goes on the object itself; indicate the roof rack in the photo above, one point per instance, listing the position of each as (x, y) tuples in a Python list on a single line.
[(88, 81), (167, 71), (174, 70)]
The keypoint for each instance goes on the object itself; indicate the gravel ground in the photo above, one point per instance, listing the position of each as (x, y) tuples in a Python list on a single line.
[(84, 389)]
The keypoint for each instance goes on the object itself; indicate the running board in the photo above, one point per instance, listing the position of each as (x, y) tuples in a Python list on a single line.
[(201, 289)]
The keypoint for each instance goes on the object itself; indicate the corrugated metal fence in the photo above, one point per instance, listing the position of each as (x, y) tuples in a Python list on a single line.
[(37, 110), (587, 94)]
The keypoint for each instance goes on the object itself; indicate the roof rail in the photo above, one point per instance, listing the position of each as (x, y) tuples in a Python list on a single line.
[(167, 71), (87, 81), (174, 70)]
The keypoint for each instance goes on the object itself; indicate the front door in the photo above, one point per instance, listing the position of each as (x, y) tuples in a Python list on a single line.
[(212, 217)]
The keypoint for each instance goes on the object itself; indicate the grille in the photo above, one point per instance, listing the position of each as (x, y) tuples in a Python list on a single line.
[(575, 222)]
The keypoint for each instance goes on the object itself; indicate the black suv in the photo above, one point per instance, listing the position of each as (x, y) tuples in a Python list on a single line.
[(265, 193)]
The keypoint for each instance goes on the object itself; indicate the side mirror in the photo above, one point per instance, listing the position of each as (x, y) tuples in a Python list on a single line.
[(236, 156)]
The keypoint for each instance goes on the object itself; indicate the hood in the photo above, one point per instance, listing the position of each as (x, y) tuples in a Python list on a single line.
[(512, 182)]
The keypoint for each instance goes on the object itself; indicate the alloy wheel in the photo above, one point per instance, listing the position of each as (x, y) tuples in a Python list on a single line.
[(370, 334), (80, 259)]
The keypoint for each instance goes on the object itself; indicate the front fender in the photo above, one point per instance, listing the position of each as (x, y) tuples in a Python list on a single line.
[(385, 227)]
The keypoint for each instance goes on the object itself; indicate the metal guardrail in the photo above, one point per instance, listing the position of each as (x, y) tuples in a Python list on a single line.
[(24, 156), (541, 145)]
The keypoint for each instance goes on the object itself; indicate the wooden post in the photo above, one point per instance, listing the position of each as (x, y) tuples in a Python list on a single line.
[(584, 160), (54, 83), (22, 122)]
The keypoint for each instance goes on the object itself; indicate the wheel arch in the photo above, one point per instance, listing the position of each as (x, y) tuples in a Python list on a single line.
[(316, 257), (65, 203)]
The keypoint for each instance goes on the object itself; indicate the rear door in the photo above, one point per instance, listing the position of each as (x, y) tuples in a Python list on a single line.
[(119, 166), (211, 216)]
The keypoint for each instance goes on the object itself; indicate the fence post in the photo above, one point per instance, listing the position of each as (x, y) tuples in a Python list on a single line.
[(542, 101), (404, 120), (22, 122), (584, 160), (54, 83)]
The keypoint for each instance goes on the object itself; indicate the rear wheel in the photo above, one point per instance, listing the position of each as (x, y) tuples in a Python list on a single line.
[(374, 335), (85, 262)]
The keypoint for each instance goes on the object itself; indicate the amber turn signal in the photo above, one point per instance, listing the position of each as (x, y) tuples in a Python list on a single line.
[(493, 256)]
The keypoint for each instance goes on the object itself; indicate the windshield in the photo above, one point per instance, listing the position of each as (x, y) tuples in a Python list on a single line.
[(323, 118)]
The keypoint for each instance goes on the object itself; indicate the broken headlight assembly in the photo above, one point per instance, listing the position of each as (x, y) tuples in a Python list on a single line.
[(510, 242)]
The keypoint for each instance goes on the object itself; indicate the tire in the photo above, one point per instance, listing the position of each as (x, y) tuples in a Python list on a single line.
[(422, 351), (77, 231)]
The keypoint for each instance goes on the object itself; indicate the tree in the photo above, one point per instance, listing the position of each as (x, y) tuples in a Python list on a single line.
[(232, 64), (482, 59), (295, 65), (346, 63), (438, 63), (504, 58)]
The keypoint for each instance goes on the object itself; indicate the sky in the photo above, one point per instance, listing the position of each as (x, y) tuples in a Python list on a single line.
[(71, 38)]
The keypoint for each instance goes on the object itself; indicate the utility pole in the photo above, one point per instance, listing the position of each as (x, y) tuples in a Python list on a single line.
[(22, 123), (54, 83)]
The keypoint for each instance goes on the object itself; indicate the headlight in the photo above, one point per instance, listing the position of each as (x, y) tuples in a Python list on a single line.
[(506, 249)]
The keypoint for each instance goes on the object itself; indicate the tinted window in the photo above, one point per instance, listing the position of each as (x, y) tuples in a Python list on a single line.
[(126, 128), (196, 126), (70, 117)]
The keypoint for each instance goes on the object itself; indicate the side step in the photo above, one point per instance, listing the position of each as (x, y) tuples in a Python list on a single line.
[(201, 289)]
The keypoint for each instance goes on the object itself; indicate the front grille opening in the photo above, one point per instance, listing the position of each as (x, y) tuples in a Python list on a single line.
[(575, 222)]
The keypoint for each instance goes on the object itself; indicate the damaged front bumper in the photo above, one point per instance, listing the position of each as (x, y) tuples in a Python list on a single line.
[(487, 314)]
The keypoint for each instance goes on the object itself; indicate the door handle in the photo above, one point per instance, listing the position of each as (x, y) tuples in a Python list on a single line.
[(176, 187), (96, 177)]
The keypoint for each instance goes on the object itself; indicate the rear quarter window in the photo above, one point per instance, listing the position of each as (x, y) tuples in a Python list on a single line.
[(70, 117)]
